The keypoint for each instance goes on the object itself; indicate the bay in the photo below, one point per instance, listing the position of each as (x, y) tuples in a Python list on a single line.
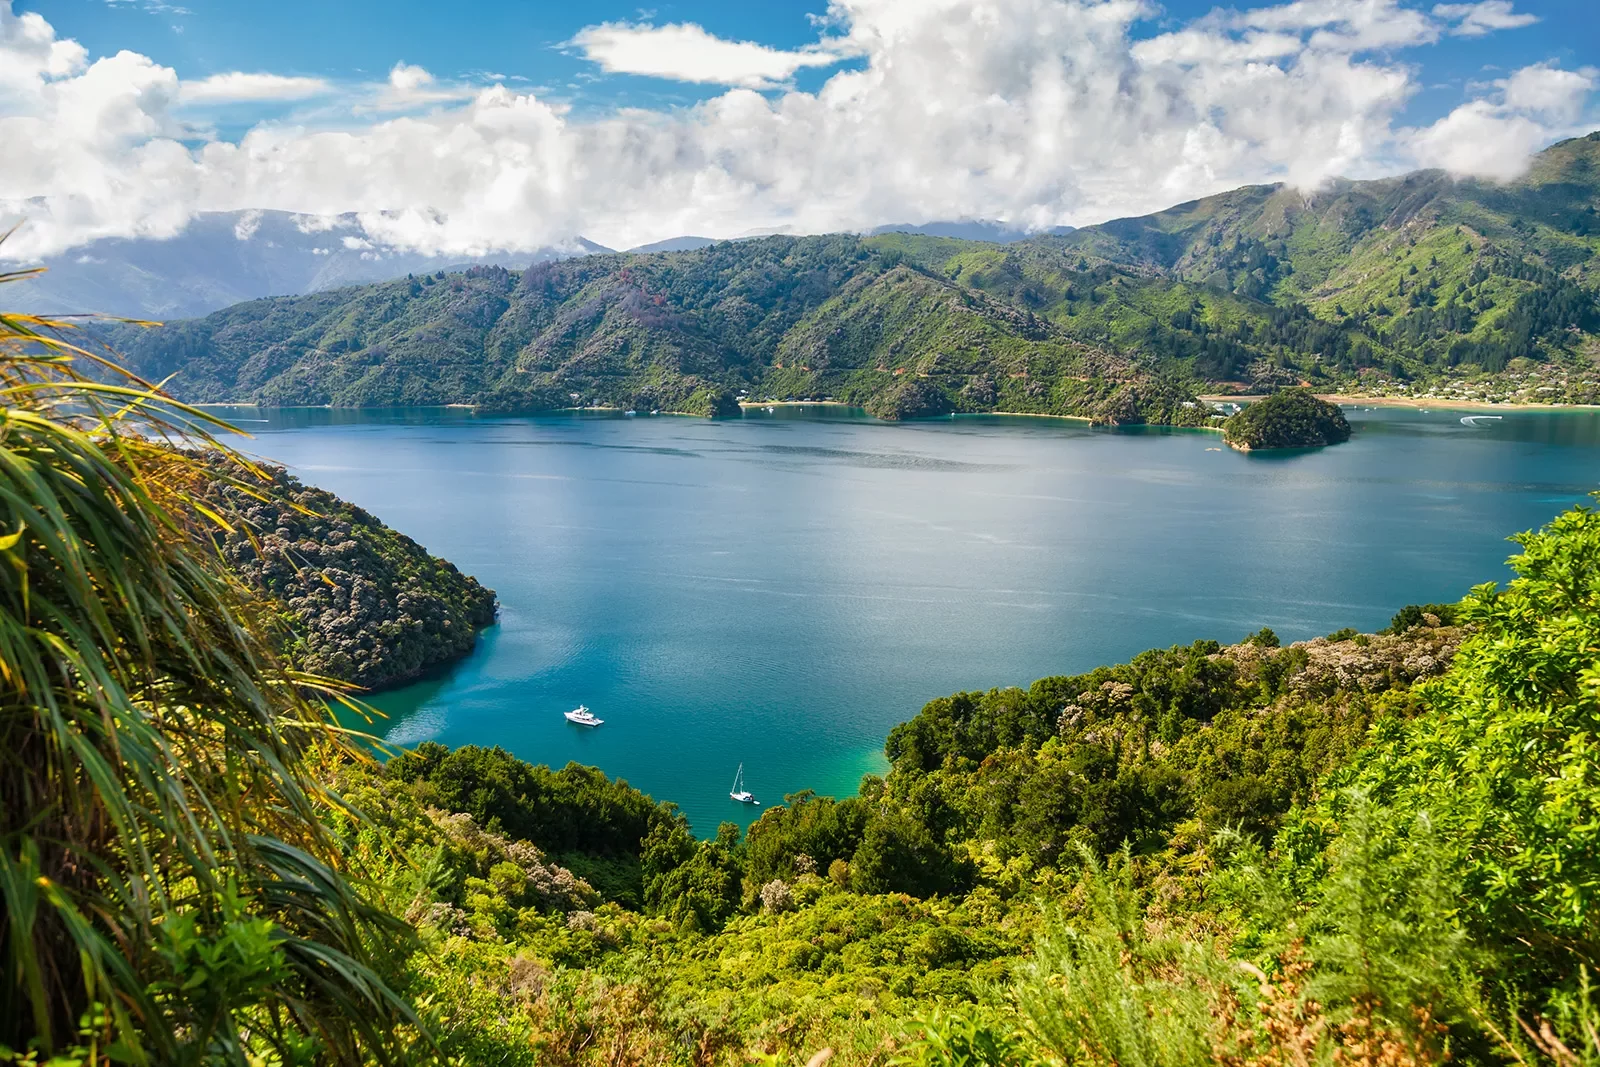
[(781, 590)]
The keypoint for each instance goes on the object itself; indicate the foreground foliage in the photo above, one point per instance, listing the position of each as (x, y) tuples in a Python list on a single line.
[(1358, 849), (169, 892)]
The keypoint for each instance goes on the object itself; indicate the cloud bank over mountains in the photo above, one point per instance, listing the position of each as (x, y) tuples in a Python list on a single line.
[(1037, 112)]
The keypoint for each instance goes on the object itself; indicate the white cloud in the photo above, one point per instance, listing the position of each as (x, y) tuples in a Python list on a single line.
[(238, 87), (1493, 138), (686, 52), (1345, 25), (1552, 94), (406, 78), (1475, 20), (409, 87), (31, 50), (1038, 112)]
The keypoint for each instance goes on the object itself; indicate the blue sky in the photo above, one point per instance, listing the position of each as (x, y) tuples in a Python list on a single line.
[(477, 126), (352, 39)]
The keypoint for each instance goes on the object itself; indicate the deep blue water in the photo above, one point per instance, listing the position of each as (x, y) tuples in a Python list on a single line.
[(781, 590)]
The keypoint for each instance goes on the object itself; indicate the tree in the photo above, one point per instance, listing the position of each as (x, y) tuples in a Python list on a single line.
[(1506, 767)]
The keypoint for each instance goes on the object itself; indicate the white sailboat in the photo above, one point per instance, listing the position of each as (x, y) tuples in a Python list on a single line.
[(582, 716), (739, 792)]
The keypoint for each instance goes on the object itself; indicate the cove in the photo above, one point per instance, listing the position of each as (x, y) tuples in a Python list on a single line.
[(781, 590)]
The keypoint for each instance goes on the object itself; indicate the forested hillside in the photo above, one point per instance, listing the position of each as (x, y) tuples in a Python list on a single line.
[(676, 331), (1360, 849), (356, 600), (1405, 284), (1414, 276)]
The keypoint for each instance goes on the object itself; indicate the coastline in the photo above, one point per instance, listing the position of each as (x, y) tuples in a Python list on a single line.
[(1424, 403), (1032, 415), (796, 404)]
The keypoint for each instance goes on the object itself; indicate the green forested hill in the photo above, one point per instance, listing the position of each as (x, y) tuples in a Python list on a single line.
[(358, 601), (1416, 283), (679, 331), (1421, 274)]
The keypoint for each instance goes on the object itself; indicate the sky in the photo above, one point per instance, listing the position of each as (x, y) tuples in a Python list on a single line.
[(511, 125)]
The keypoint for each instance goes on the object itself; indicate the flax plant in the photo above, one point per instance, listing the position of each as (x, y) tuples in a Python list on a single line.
[(167, 892)]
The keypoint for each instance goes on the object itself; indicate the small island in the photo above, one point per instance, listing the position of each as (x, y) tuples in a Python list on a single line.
[(1289, 418)]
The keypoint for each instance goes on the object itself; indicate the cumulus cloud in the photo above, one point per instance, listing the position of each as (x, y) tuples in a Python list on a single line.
[(686, 52), (239, 87), (406, 78), (1475, 20), (1493, 137), (408, 87), (1037, 112)]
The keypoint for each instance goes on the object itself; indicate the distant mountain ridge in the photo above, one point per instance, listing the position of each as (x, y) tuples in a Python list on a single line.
[(1420, 281), (971, 230), (778, 317), (961, 229), (223, 258)]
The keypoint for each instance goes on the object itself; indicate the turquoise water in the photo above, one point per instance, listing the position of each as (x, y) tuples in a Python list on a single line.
[(781, 590)]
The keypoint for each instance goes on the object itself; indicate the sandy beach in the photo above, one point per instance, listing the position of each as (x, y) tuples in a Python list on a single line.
[(1428, 403)]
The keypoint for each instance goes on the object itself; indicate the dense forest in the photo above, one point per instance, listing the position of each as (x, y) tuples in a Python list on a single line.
[(1289, 418), (1399, 285), (676, 332), (356, 600)]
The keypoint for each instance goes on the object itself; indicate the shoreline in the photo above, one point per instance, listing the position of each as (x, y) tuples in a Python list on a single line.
[(796, 404), (1031, 415), (1426, 403)]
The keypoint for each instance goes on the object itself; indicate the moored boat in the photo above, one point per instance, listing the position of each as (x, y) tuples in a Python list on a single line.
[(582, 716), (739, 792)]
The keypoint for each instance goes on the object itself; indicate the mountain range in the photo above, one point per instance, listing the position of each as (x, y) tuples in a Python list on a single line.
[(224, 257), (1379, 285)]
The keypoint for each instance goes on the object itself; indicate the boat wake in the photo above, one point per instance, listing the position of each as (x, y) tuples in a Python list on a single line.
[(1472, 420)]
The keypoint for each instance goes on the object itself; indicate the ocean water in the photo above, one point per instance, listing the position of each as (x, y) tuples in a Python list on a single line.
[(779, 591)]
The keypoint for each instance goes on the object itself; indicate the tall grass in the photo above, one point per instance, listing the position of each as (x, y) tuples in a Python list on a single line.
[(166, 888)]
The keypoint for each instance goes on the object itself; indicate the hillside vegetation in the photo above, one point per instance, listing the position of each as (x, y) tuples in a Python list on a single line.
[(678, 331), (357, 601), (1289, 418), (1415, 277), (1361, 849), (1413, 284)]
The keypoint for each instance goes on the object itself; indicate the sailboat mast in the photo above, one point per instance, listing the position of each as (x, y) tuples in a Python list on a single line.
[(737, 775)]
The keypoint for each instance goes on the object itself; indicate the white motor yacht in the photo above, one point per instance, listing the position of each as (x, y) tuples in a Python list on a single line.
[(583, 716)]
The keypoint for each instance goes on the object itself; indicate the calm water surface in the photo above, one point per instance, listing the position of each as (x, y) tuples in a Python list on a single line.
[(781, 590)]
